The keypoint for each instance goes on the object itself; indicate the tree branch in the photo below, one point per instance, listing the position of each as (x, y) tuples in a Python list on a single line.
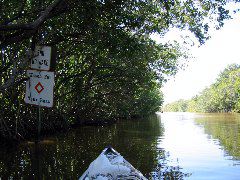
[(34, 25)]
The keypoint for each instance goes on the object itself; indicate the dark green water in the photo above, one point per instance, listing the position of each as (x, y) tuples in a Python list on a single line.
[(180, 145), (68, 155)]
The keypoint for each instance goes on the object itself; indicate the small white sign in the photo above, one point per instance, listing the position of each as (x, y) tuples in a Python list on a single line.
[(41, 58), (39, 88)]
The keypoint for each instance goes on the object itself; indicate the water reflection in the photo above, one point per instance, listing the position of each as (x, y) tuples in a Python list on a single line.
[(164, 170), (175, 146), (202, 144), (67, 156), (224, 129)]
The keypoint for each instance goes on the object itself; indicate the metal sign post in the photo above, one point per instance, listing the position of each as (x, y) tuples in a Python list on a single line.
[(39, 87), (39, 123)]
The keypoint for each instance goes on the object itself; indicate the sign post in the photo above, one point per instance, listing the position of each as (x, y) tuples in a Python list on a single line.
[(39, 123), (42, 58), (39, 87)]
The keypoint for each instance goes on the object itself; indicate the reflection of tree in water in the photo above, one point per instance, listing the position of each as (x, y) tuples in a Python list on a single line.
[(67, 156), (165, 171), (226, 129)]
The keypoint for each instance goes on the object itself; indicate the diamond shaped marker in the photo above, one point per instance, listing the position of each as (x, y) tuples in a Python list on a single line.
[(39, 87)]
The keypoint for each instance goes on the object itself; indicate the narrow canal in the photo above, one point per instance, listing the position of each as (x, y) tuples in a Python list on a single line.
[(176, 145)]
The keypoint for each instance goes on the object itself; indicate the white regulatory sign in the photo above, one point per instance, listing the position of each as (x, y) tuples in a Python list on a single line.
[(42, 58), (39, 88)]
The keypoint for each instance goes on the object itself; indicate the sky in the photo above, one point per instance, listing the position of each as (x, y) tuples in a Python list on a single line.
[(209, 60)]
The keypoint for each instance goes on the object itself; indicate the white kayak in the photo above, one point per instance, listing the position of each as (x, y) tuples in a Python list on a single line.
[(111, 165)]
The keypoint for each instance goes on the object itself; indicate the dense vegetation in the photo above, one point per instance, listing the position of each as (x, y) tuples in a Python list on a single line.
[(221, 96), (107, 65)]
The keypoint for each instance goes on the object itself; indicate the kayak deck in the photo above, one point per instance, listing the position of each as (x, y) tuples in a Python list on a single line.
[(111, 165)]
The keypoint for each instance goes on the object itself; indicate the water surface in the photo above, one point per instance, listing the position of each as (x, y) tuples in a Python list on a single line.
[(176, 145), (205, 145)]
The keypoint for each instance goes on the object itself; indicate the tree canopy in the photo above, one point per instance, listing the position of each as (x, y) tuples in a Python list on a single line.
[(107, 66)]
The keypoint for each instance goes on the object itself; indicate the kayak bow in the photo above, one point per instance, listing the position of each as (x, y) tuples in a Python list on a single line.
[(111, 165)]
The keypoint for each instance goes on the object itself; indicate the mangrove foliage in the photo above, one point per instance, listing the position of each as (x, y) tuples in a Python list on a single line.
[(107, 65)]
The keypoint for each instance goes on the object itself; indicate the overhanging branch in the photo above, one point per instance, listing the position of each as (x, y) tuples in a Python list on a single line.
[(34, 25)]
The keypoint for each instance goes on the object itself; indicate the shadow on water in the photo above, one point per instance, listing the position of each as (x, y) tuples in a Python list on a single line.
[(67, 156)]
